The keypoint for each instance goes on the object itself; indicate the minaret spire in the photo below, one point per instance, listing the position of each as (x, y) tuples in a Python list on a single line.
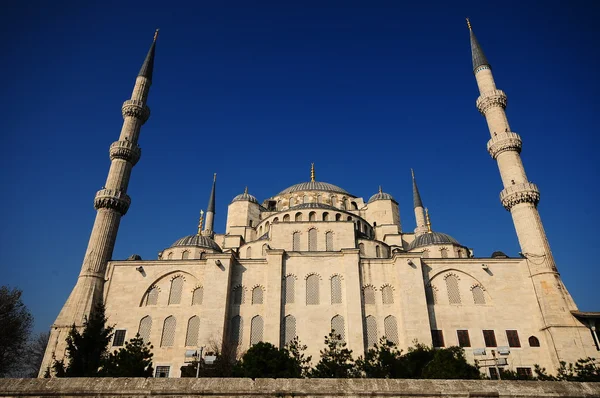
[(418, 206), (111, 203), (210, 211), (477, 54)]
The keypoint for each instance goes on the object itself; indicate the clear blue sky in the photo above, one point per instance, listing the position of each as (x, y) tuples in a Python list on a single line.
[(256, 91)]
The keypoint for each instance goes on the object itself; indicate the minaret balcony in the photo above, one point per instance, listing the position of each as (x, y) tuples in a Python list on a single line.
[(526, 192), (125, 150), (507, 141), (491, 99), (112, 199), (137, 109)]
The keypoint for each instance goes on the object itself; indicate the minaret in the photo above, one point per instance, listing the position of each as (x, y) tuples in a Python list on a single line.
[(111, 203), (419, 210), (521, 197), (210, 211)]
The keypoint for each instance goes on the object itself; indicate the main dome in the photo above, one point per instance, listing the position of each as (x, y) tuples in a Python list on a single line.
[(198, 241), (432, 238), (314, 186)]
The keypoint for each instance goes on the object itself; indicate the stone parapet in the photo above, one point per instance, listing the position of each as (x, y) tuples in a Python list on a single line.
[(491, 99), (137, 109), (507, 141), (526, 192), (125, 150), (112, 199)]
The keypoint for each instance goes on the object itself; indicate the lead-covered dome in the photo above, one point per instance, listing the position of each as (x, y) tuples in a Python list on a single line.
[(432, 238), (314, 186), (381, 196), (197, 241), (245, 197)]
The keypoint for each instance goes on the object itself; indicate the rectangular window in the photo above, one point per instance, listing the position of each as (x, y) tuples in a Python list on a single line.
[(490, 338), (437, 338), (493, 374), (119, 338), (162, 371), (524, 372), (463, 338), (513, 338)]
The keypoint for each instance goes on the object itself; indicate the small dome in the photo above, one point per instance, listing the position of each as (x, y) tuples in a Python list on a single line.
[(245, 197), (198, 241), (134, 257), (381, 196), (499, 254), (314, 186), (432, 238)]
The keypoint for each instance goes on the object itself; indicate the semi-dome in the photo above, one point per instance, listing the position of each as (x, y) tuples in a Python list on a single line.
[(432, 238), (245, 197), (198, 241), (381, 196), (314, 186)]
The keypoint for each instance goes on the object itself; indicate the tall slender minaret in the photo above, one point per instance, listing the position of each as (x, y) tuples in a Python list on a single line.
[(419, 210), (521, 197), (111, 203), (210, 212)]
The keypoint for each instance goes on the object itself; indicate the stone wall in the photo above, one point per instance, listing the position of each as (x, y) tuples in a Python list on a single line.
[(125, 387)]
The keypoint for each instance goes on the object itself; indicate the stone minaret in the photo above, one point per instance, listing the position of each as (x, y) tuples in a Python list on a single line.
[(111, 203), (210, 212), (521, 197), (419, 210)]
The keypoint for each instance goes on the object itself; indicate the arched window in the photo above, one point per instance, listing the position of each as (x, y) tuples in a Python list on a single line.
[(371, 335), (534, 341), (168, 332), (343, 204), (144, 328), (256, 330), (290, 289), (296, 241), (338, 327), (235, 330), (197, 296), (185, 255), (170, 256), (369, 294), (431, 294), (318, 198), (329, 241), (305, 199), (203, 256), (478, 295), (264, 250), (354, 206), (191, 336), (276, 219), (257, 295), (286, 218), (453, 291), (325, 216), (333, 201), (249, 252), (176, 289), (312, 290), (250, 223), (152, 296), (387, 295), (336, 289), (391, 329), (289, 329), (239, 295), (312, 216), (279, 207), (298, 216), (349, 218), (358, 226), (425, 253), (338, 217), (444, 252), (377, 251), (267, 227), (260, 233), (460, 253), (312, 240), (292, 202), (361, 249)]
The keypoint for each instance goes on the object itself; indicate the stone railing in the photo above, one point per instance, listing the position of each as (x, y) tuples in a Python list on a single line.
[(526, 192), (501, 142), (136, 109), (112, 199), (125, 150), (491, 99)]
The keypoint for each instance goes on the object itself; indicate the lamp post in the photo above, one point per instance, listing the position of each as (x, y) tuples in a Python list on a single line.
[(199, 359)]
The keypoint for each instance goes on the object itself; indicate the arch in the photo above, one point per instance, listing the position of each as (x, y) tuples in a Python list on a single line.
[(249, 252), (264, 250), (377, 251), (279, 206), (333, 200), (236, 328), (176, 289), (305, 199), (354, 206), (296, 241), (191, 335), (290, 289), (145, 328), (152, 295), (329, 241), (361, 249), (298, 217), (431, 294), (202, 255), (325, 216), (286, 218), (312, 216), (170, 256), (257, 295), (185, 255), (292, 202), (319, 198), (371, 335), (444, 252), (239, 295), (349, 218), (338, 216), (312, 240), (338, 326), (197, 295), (276, 219), (369, 295), (289, 329), (426, 253), (168, 333), (336, 289), (256, 330), (260, 231), (312, 289), (343, 203), (391, 329), (267, 227), (534, 341), (387, 294), (452, 288), (478, 295)]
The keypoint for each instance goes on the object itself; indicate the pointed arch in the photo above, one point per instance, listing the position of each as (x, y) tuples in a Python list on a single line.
[(312, 240), (329, 241), (387, 294), (197, 295), (325, 216), (145, 328), (289, 329), (369, 295), (312, 289), (478, 295), (444, 252), (152, 295), (338, 326), (371, 334), (391, 329), (338, 217), (257, 295), (256, 330), (336, 289), (176, 289), (168, 332), (296, 241), (193, 327), (453, 289), (290, 289)]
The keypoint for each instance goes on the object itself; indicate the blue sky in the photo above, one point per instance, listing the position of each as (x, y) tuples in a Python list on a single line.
[(256, 91)]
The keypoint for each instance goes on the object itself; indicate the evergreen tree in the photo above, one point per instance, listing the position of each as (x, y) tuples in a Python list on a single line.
[(266, 360), (15, 326), (133, 360), (384, 360), (300, 361), (336, 360), (450, 363)]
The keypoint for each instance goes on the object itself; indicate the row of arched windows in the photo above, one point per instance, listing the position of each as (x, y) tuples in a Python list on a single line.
[(390, 330), (369, 292), (239, 295), (175, 293), (185, 255), (313, 216), (312, 241), (454, 294), (313, 289), (344, 203), (361, 249), (236, 330), (167, 338)]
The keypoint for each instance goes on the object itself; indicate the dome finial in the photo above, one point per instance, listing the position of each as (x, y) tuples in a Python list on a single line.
[(200, 222), (156, 35), (380, 190), (428, 220), (312, 172), (246, 190)]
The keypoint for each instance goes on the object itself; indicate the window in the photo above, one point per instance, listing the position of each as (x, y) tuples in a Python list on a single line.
[(493, 374), (431, 295), (349, 219), (534, 341), (312, 216), (305, 199), (391, 329), (185, 255), (463, 338), (162, 371), (490, 338), (369, 294), (333, 201), (176, 289), (336, 289), (444, 252), (267, 225), (437, 338), (152, 297), (296, 241), (289, 329), (312, 240), (236, 328), (524, 372), (197, 296), (290, 291), (256, 330), (318, 198), (298, 216), (329, 241), (513, 338), (144, 328), (168, 332), (338, 217), (260, 233), (425, 253), (337, 326), (250, 223), (292, 202), (275, 220), (361, 249), (264, 250), (452, 287), (312, 290), (371, 335), (203, 256), (249, 252), (191, 337), (119, 338), (377, 251), (387, 295), (170, 256), (286, 218), (478, 296), (239, 295), (325, 216), (354, 206), (257, 295)]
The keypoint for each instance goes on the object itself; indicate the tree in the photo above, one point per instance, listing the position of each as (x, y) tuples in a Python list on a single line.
[(301, 362), (266, 360), (336, 360), (450, 363), (223, 366), (16, 322), (384, 360), (585, 369), (133, 360), (33, 357)]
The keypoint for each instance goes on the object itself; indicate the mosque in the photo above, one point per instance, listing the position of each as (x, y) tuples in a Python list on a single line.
[(315, 257)]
